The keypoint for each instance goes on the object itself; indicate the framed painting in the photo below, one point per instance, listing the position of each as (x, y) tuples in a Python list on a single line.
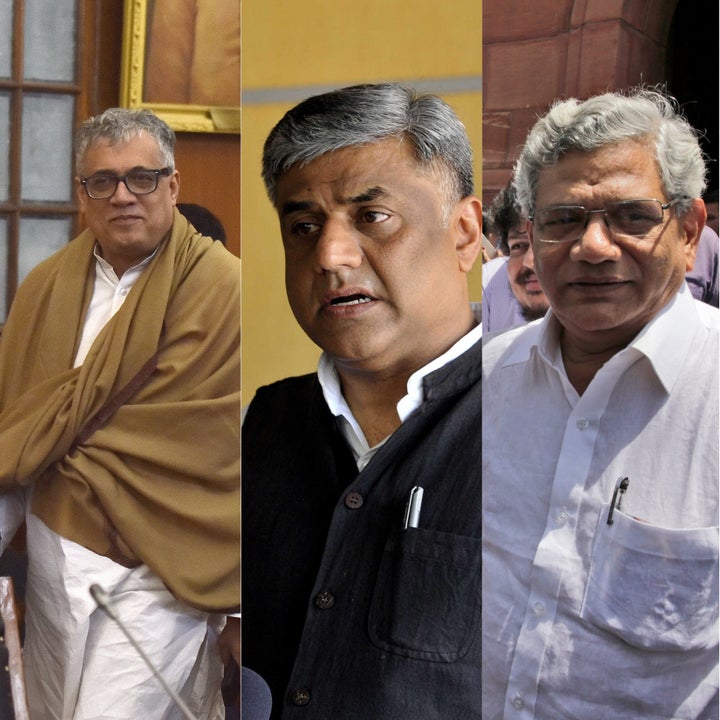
[(181, 59)]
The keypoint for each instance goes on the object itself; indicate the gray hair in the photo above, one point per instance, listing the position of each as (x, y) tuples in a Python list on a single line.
[(642, 114), (119, 125), (365, 114)]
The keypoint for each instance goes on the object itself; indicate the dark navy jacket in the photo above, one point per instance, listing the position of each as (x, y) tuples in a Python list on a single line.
[(345, 614)]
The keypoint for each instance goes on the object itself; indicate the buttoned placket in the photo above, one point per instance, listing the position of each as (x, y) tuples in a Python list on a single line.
[(109, 293), (555, 555)]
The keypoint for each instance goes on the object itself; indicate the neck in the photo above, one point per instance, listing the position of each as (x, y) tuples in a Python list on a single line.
[(121, 264), (373, 402), (372, 393), (583, 360)]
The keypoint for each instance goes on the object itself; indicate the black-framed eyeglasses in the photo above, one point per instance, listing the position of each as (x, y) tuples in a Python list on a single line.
[(628, 218), (140, 181)]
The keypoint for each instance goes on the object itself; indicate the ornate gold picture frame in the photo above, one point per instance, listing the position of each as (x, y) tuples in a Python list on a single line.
[(181, 59)]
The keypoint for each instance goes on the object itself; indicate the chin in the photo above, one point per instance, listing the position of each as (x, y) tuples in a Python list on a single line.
[(531, 312), (608, 324)]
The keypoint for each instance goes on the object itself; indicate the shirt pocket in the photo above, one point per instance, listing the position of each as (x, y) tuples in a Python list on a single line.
[(654, 587), (426, 600)]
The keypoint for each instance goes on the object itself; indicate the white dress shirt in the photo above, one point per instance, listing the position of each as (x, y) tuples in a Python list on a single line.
[(584, 619)]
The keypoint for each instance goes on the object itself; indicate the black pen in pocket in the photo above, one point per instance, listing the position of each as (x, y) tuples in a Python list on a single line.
[(620, 487)]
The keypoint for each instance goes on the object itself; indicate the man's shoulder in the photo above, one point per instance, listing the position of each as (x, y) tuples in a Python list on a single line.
[(512, 346), (529, 332), (490, 269), (289, 383), (684, 316), (285, 396), (284, 419), (498, 280), (219, 263), (50, 265), (709, 315)]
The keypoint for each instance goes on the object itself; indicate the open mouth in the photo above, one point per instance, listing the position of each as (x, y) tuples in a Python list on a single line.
[(350, 300)]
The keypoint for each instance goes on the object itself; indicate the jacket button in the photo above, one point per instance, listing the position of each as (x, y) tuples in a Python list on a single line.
[(353, 500), (300, 696), (324, 600)]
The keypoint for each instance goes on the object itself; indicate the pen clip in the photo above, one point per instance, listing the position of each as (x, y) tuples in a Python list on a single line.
[(412, 508), (620, 487)]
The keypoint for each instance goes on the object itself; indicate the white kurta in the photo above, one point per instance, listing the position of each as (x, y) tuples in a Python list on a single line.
[(582, 619)]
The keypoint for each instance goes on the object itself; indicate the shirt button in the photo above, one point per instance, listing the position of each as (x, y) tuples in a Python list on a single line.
[(300, 696), (324, 600), (582, 424), (539, 608), (518, 703), (353, 500)]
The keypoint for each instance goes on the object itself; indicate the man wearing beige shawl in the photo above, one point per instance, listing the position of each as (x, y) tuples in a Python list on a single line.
[(119, 427)]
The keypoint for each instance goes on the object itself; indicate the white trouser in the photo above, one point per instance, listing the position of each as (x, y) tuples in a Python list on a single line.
[(78, 663)]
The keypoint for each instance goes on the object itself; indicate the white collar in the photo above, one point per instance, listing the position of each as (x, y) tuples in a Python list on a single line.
[(330, 383), (664, 341)]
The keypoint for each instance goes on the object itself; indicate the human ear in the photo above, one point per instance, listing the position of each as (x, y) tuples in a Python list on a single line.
[(467, 219), (174, 186), (692, 223), (81, 194)]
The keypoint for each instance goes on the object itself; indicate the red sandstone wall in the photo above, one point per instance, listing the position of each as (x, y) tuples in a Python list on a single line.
[(534, 52)]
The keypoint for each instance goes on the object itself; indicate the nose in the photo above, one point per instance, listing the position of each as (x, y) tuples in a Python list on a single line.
[(529, 259), (338, 247), (122, 194), (596, 243)]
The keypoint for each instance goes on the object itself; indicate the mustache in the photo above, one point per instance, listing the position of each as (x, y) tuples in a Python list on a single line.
[(525, 275)]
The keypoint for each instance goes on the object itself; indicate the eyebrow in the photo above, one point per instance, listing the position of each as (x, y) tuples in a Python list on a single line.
[(294, 206), (368, 195)]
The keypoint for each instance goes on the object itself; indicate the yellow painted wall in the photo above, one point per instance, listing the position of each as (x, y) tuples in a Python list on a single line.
[(294, 50)]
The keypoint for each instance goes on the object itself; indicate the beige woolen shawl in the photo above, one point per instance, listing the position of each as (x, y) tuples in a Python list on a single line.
[(136, 453)]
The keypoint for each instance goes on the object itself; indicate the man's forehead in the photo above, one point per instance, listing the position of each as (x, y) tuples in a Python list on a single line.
[(138, 150), (624, 164), (614, 154), (367, 195), (354, 174), (138, 142)]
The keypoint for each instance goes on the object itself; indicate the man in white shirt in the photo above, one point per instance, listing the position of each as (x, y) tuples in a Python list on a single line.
[(513, 297), (119, 360), (600, 423)]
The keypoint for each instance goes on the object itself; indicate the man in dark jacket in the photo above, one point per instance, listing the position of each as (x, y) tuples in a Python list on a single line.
[(362, 593)]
